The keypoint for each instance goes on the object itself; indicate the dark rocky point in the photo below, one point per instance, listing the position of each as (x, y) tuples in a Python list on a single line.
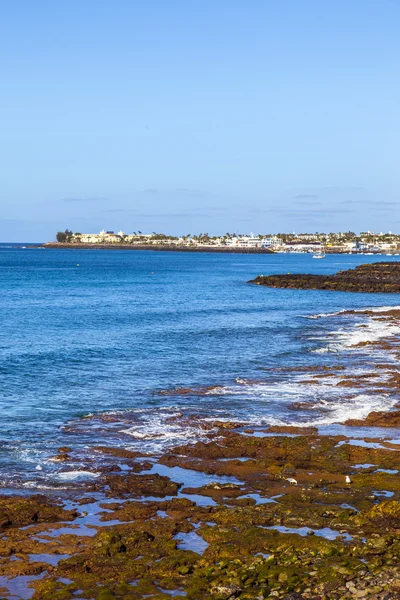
[(376, 277)]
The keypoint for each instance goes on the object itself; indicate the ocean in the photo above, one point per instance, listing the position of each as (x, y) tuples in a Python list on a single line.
[(124, 348)]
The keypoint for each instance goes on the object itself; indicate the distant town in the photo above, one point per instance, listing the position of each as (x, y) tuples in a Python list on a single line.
[(345, 242)]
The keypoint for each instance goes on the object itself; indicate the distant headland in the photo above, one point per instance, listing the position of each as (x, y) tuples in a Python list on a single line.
[(329, 243)]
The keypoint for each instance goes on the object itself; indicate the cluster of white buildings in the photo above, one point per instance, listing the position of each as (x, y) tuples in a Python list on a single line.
[(281, 243), (104, 237), (110, 237), (273, 243)]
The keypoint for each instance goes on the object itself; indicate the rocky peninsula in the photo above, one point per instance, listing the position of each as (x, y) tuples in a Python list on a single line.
[(155, 248), (375, 277)]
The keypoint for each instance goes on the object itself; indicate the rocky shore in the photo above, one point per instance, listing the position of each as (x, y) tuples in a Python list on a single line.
[(280, 512), (268, 514), (375, 277), (156, 248)]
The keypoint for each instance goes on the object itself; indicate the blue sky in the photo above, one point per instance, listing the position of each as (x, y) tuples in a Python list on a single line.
[(191, 116)]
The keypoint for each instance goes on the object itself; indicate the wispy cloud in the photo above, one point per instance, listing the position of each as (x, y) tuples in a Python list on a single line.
[(306, 197), (175, 215), (311, 212), (373, 203), (83, 200), (205, 211), (339, 189), (308, 203), (177, 192)]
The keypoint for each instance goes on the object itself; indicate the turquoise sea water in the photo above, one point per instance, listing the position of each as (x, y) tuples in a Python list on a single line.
[(92, 354)]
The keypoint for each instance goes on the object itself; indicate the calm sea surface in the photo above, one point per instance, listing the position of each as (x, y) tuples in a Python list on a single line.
[(94, 345)]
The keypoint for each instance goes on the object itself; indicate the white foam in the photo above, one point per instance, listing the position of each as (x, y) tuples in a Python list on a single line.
[(139, 434), (268, 402), (42, 486), (358, 407), (72, 475), (330, 403), (373, 309), (369, 331), (155, 431), (325, 315), (219, 390)]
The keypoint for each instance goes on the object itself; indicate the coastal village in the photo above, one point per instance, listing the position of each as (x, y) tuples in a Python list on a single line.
[(344, 242)]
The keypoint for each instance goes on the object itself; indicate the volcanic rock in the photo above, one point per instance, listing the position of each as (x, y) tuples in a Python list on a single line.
[(376, 277)]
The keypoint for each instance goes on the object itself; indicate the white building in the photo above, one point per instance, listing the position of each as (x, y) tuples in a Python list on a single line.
[(104, 237), (271, 242), (245, 241)]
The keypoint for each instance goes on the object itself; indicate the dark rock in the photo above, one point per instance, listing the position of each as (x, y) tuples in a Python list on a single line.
[(18, 511), (376, 277), (377, 419), (140, 485)]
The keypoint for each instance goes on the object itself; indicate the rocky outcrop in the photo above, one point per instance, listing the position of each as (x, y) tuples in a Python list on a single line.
[(377, 419), (18, 511), (376, 277)]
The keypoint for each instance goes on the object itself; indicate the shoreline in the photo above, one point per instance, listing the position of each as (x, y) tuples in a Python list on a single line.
[(215, 520), (175, 248), (245, 512), (156, 248)]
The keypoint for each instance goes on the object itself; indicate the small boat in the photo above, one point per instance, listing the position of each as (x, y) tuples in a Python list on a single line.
[(319, 255)]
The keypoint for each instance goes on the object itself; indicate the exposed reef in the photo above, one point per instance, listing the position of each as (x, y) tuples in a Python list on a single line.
[(266, 516), (375, 277), (285, 512)]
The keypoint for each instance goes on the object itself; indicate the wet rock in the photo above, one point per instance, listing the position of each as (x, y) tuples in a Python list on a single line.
[(377, 419), (226, 592), (118, 452), (226, 424), (85, 500), (304, 406), (384, 516), (187, 391), (62, 457), (292, 429), (139, 485), (138, 539), (221, 486), (20, 511)]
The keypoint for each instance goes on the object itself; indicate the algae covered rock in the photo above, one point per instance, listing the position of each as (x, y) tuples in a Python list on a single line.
[(141, 485), (377, 419), (18, 511), (385, 515)]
